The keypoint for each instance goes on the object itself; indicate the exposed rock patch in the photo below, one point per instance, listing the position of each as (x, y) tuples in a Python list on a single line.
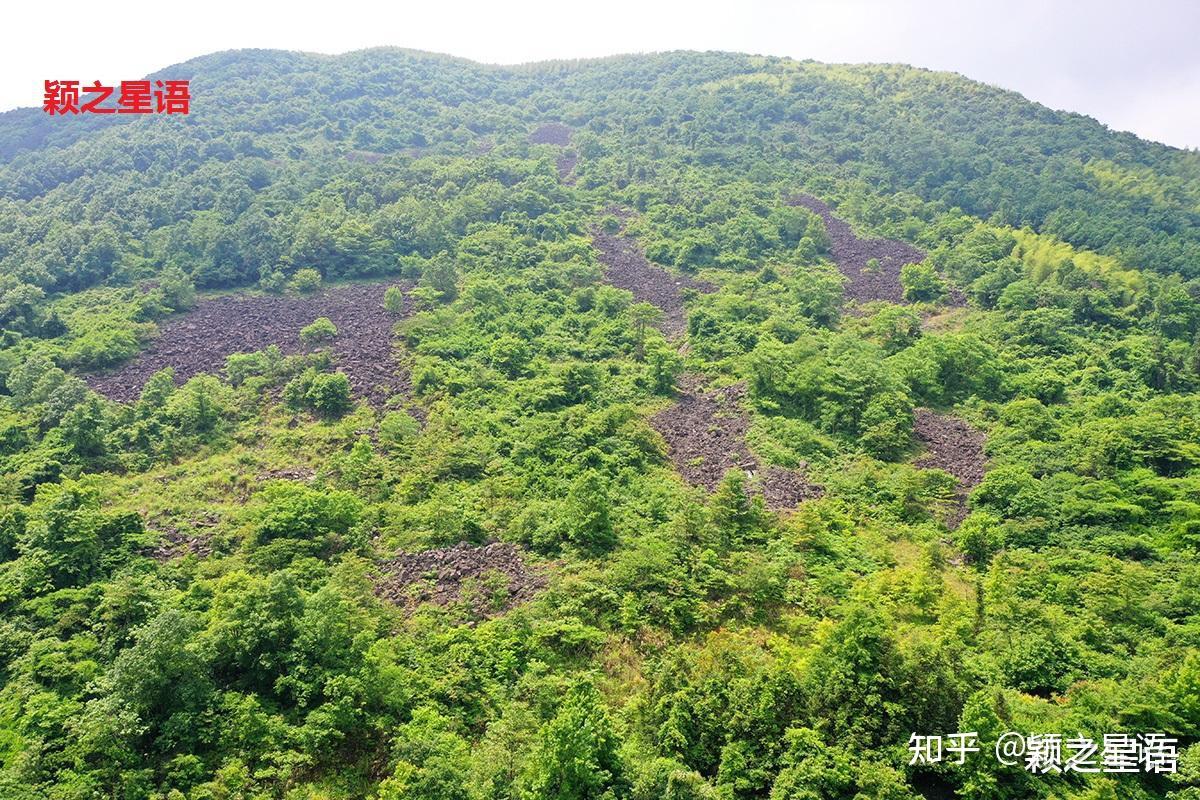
[(490, 579), (565, 164), (853, 256), (176, 543), (294, 474), (626, 267), (787, 488), (705, 432), (954, 446), (554, 133), (559, 135), (201, 339)]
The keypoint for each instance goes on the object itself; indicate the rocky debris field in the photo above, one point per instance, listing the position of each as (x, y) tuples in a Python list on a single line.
[(786, 488), (201, 339), (626, 267), (705, 432), (288, 474), (954, 446), (178, 544), (566, 166), (440, 577), (851, 255), (559, 135), (554, 133)]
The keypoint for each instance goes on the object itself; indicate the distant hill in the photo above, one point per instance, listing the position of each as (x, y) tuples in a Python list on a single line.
[(937, 135)]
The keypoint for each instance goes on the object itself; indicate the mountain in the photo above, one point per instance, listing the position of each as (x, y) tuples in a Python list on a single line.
[(689, 425)]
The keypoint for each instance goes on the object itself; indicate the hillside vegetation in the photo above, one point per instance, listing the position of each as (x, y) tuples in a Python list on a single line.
[(689, 426)]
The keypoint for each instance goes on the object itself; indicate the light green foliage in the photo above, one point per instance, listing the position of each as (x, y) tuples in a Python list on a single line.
[(305, 281), (587, 521), (325, 394), (319, 331), (273, 281), (292, 511), (178, 291), (393, 299), (439, 277), (576, 756), (921, 283)]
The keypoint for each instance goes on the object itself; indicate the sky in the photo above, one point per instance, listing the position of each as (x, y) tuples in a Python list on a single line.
[(1134, 66)]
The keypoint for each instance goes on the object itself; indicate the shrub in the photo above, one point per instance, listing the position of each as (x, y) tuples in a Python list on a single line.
[(178, 291), (306, 281), (398, 429), (921, 283), (273, 281), (326, 394), (320, 330), (288, 510), (393, 300)]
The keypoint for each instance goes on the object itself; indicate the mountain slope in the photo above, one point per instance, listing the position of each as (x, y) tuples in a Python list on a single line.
[(692, 425)]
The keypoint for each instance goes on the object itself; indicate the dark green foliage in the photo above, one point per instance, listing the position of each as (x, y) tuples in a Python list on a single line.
[(326, 394)]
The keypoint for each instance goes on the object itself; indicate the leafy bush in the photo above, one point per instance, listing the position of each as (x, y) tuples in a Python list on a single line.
[(921, 283), (305, 281), (289, 510), (319, 331), (393, 299), (326, 394)]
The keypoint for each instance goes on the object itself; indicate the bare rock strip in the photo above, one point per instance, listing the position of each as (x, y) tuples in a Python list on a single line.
[(705, 432), (559, 135), (565, 164), (852, 254), (626, 267), (440, 576), (554, 133), (201, 339), (954, 446), (786, 488)]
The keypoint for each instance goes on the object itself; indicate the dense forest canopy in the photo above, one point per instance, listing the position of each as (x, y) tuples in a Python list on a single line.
[(691, 425)]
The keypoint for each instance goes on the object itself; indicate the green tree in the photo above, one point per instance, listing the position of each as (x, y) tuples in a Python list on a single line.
[(855, 678), (641, 317), (738, 517), (61, 534), (587, 521), (284, 509), (178, 291), (393, 300), (441, 276), (577, 755), (326, 394)]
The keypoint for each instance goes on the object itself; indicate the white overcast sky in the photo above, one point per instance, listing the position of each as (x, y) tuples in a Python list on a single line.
[(1133, 65)]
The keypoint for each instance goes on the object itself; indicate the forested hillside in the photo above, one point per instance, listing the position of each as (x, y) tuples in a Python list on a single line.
[(683, 426)]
